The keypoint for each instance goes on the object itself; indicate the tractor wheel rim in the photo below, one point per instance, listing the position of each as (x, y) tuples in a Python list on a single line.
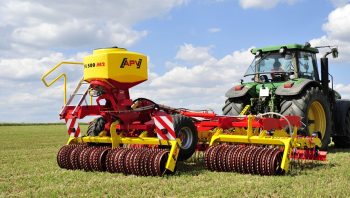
[(186, 137), (316, 118)]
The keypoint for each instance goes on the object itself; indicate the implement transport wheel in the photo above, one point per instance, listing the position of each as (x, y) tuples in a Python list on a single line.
[(187, 132), (312, 105), (96, 126), (344, 141), (233, 106)]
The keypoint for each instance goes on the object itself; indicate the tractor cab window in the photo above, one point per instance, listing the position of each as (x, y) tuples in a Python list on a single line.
[(306, 65), (272, 67)]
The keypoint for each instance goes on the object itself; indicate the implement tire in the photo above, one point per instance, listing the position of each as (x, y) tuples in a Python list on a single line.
[(233, 107), (96, 126), (187, 132), (344, 141), (313, 106)]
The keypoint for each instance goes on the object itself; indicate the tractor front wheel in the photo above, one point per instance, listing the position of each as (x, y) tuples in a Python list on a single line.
[(313, 107)]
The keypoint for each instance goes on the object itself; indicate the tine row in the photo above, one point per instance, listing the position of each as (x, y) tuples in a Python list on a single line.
[(244, 159)]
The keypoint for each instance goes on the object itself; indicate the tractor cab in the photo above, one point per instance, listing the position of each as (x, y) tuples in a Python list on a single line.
[(282, 63)]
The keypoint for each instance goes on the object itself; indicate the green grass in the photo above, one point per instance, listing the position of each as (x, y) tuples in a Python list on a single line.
[(28, 169)]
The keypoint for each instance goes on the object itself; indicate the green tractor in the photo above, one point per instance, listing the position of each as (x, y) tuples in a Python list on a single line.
[(285, 80)]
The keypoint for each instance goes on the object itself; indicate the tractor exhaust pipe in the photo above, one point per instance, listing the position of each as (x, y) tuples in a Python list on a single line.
[(324, 68), (324, 75)]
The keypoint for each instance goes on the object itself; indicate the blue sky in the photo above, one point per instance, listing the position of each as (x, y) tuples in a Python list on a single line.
[(238, 28), (197, 49)]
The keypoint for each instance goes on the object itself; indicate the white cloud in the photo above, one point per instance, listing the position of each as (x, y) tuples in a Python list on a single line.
[(337, 30), (75, 24), (214, 30), (338, 25), (343, 89), (30, 69), (199, 85), (264, 4), (31, 101), (193, 54)]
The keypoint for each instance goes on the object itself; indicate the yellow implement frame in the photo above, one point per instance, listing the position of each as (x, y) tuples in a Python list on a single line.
[(62, 75), (279, 138), (117, 140)]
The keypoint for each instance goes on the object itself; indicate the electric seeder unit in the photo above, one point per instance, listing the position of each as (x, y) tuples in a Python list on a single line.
[(143, 138)]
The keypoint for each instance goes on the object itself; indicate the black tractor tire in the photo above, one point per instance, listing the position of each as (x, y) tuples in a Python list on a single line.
[(233, 107), (344, 141), (187, 132), (300, 105), (96, 126)]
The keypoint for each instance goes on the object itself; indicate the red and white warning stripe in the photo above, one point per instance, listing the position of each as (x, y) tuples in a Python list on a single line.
[(73, 127), (164, 127)]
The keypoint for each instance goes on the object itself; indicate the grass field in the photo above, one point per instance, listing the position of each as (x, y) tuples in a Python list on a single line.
[(28, 169)]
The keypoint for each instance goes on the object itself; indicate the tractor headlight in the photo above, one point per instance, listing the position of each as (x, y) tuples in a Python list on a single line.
[(283, 50), (258, 53)]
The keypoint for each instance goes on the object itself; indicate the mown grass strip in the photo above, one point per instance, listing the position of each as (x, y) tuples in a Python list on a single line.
[(36, 124), (28, 169)]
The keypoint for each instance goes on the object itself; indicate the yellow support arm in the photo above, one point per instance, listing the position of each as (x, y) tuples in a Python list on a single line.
[(48, 84)]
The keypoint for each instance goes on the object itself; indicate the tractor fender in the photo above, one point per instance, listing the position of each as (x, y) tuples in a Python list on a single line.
[(235, 93), (297, 88), (341, 107)]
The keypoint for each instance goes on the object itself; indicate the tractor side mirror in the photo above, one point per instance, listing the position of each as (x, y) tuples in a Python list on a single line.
[(335, 52)]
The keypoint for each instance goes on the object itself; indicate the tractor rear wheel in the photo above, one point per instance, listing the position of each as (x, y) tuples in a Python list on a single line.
[(187, 132), (233, 106), (344, 141), (96, 126), (313, 107)]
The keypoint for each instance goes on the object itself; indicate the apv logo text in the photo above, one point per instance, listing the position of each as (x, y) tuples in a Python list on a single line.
[(130, 63)]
